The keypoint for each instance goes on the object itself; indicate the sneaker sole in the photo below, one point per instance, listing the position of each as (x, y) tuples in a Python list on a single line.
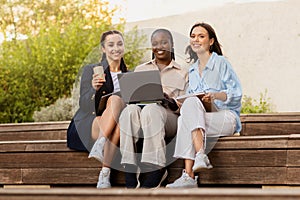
[(198, 169), (94, 153), (103, 187), (190, 186), (96, 157)]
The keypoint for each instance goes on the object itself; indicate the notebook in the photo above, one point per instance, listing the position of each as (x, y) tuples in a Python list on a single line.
[(103, 100), (141, 87), (209, 106)]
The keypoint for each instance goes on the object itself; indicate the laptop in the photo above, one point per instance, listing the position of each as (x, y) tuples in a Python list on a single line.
[(141, 87)]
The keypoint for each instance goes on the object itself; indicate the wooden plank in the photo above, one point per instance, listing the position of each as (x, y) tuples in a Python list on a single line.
[(250, 158), (293, 158), (243, 158), (62, 125), (270, 124), (33, 135), (223, 156), (10, 176), (57, 176), (60, 175), (224, 175), (158, 194), (293, 174), (294, 141), (34, 126), (271, 117), (253, 142), (279, 123), (239, 175), (47, 160), (26, 186), (39, 145), (272, 128), (179, 163)]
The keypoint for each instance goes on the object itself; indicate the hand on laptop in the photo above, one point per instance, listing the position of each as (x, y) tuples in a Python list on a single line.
[(168, 102)]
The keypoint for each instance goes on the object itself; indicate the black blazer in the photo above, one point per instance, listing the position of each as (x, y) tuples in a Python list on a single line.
[(89, 100), (107, 87)]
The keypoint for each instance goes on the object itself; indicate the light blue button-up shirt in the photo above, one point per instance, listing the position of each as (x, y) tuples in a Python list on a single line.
[(218, 76)]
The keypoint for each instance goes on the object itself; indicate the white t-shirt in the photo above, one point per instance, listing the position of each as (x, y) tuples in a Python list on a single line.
[(114, 76)]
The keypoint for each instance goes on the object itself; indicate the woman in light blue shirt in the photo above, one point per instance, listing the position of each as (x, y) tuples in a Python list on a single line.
[(212, 74)]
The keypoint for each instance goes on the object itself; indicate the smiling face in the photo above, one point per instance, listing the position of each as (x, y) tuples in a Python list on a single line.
[(200, 41), (113, 47), (161, 46)]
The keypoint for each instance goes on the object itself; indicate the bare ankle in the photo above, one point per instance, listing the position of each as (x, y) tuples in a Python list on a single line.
[(190, 173)]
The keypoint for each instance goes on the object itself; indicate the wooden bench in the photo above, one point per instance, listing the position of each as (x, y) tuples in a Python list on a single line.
[(271, 124), (253, 124), (34, 131), (143, 194), (36, 153), (244, 160)]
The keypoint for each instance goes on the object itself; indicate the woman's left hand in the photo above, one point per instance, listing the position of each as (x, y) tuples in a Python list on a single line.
[(209, 97)]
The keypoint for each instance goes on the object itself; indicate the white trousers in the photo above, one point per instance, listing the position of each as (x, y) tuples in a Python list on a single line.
[(193, 116), (153, 123)]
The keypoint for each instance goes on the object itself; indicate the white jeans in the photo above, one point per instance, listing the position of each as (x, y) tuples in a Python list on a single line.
[(194, 116), (153, 122)]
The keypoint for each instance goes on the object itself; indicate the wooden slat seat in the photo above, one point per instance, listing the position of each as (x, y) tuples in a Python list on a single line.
[(247, 160), (271, 124), (253, 124), (45, 162), (266, 153), (34, 131), (262, 160), (143, 194)]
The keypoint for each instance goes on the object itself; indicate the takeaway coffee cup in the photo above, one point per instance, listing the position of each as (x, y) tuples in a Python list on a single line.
[(99, 70)]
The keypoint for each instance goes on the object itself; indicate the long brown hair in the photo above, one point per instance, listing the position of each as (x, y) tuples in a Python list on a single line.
[(215, 47), (102, 40)]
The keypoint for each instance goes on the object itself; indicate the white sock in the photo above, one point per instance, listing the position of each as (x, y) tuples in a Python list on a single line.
[(102, 138), (201, 151)]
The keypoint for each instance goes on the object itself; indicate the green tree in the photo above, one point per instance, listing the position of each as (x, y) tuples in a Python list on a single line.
[(38, 70)]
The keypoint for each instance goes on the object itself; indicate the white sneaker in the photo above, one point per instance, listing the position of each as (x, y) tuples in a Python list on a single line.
[(185, 181), (201, 162), (97, 150), (103, 180)]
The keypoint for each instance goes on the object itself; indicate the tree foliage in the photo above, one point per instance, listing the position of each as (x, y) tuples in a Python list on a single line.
[(38, 70)]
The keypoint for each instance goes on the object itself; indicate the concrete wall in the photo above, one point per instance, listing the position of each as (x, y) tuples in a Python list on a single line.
[(261, 40)]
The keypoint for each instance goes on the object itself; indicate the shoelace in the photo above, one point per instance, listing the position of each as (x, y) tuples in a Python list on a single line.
[(184, 176), (101, 178), (102, 175)]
